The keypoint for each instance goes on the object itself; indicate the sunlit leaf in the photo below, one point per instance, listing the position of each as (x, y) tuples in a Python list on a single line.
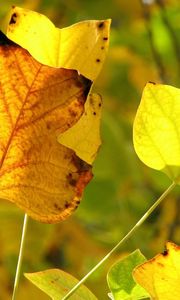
[(57, 283), (160, 276), (37, 103), (120, 280), (156, 129), (85, 142), (82, 46)]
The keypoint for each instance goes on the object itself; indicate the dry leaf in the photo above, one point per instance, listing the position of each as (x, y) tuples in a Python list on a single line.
[(160, 276), (37, 103)]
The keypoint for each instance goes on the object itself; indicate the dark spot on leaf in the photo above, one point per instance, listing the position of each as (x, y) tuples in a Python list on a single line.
[(56, 206), (13, 19), (105, 38), (165, 253), (48, 126), (94, 113), (80, 164), (160, 265), (100, 104), (98, 60), (77, 202), (71, 180), (152, 82), (72, 112), (102, 48), (67, 204), (101, 25)]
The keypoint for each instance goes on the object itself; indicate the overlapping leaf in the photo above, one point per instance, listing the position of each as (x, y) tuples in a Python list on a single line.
[(120, 280), (160, 276), (84, 136), (83, 47), (37, 103)]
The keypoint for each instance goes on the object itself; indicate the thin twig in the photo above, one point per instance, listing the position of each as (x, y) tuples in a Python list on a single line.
[(19, 264), (171, 31), (157, 58), (125, 238)]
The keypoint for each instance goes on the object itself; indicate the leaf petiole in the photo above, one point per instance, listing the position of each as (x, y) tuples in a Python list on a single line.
[(125, 238), (19, 263)]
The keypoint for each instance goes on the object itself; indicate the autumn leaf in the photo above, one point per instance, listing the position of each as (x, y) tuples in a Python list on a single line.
[(56, 283), (37, 103), (84, 136), (82, 46), (156, 129), (160, 276)]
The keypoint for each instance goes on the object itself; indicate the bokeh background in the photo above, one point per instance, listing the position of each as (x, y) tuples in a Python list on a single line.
[(144, 46)]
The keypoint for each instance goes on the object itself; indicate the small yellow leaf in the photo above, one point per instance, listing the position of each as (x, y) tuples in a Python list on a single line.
[(156, 131), (160, 276), (84, 136), (37, 103), (82, 46)]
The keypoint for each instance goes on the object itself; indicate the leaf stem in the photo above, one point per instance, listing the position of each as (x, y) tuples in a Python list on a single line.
[(125, 238), (19, 263)]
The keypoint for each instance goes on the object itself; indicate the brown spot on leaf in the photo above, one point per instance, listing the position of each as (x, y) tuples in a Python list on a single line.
[(100, 104), (102, 48), (94, 113), (67, 204), (101, 25), (71, 179), (57, 206), (105, 38), (48, 125), (165, 253), (98, 60), (152, 82), (72, 112), (13, 19)]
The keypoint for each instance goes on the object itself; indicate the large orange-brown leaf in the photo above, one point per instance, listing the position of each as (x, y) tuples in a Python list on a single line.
[(37, 102)]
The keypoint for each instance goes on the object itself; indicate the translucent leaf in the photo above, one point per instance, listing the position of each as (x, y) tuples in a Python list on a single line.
[(160, 276), (82, 46), (156, 131), (57, 283), (120, 280)]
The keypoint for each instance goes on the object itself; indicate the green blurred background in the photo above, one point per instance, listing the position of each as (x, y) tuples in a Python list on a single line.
[(144, 46)]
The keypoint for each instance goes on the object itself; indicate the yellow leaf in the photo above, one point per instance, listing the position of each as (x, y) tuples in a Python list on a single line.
[(82, 46), (156, 131), (84, 136), (160, 276), (37, 103)]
